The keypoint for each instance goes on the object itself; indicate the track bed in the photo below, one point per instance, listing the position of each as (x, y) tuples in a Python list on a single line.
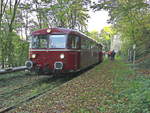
[(21, 87)]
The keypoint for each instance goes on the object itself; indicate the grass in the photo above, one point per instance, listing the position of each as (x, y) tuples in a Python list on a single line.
[(131, 92), (133, 96)]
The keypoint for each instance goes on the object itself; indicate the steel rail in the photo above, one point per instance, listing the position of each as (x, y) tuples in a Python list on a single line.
[(14, 69)]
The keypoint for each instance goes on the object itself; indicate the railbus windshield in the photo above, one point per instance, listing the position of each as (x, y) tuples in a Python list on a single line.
[(49, 41)]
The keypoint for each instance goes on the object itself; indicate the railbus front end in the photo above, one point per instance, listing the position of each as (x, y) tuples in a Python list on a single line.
[(50, 53)]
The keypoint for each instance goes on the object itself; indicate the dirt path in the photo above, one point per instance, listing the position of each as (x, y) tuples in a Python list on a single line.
[(85, 94)]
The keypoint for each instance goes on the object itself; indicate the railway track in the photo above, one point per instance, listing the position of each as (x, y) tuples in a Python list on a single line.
[(28, 89), (11, 99), (14, 69), (23, 84), (25, 87), (6, 109)]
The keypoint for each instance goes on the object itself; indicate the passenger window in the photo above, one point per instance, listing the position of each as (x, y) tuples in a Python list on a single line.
[(74, 42), (83, 43)]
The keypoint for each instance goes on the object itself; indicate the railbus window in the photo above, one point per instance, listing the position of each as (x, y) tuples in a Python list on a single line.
[(57, 41), (49, 41), (39, 41), (83, 43), (74, 42)]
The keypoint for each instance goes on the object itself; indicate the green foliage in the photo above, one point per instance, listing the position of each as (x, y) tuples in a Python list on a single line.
[(82, 110), (61, 13), (102, 109), (10, 42), (107, 33), (131, 20), (14, 51), (20, 54), (95, 35), (103, 37)]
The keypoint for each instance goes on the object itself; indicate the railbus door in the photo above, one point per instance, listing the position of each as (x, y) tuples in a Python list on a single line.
[(74, 54)]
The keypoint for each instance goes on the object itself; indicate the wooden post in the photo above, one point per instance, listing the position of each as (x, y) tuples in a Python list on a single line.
[(134, 53), (129, 55)]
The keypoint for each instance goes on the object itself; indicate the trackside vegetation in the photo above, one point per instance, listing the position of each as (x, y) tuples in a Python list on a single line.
[(111, 87), (130, 19), (131, 92)]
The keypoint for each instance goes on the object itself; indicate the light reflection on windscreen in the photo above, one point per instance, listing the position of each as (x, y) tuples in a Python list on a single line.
[(49, 41), (57, 41)]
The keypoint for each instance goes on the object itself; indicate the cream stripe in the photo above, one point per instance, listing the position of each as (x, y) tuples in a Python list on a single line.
[(53, 50)]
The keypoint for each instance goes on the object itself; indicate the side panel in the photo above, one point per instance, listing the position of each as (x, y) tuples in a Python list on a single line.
[(89, 53), (83, 58), (100, 56)]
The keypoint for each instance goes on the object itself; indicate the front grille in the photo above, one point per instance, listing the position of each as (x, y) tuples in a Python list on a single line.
[(58, 65)]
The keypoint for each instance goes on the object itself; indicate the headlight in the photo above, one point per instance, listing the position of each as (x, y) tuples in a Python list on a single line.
[(33, 56), (62, 56)]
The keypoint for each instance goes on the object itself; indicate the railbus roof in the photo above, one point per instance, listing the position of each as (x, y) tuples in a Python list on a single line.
[(61, 31)]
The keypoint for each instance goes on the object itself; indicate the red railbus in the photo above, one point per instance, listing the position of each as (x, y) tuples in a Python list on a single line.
[(60, 50)]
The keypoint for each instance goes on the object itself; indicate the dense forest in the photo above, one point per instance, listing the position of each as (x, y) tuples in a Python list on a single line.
[(131, 20), (18, 18)]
